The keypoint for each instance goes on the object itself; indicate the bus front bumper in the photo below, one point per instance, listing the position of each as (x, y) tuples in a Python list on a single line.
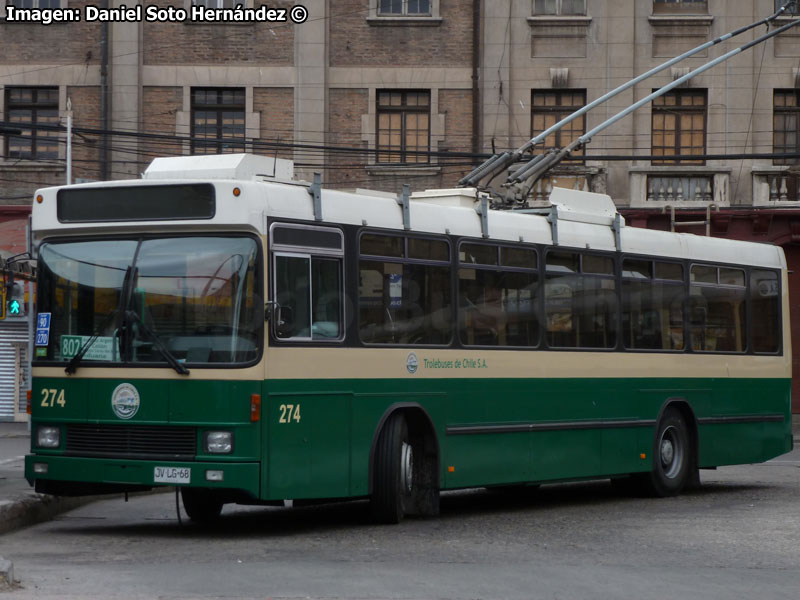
[(74, 476)]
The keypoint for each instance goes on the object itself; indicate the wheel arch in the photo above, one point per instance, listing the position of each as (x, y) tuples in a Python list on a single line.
[(419, 423)]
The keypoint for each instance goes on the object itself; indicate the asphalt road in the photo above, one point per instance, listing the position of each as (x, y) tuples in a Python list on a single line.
[(736, 537)]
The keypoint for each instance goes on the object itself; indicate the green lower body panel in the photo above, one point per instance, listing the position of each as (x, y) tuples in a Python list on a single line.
[(502, 431), (315, 438)]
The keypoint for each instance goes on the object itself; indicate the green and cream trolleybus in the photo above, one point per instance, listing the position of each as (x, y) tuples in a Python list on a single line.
[(220, 327)]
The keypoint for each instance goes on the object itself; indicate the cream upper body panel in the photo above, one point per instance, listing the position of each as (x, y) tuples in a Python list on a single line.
[(257, 201), (445, 363)]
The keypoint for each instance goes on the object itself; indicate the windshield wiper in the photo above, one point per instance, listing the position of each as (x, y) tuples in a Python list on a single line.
[(72, 365), (173, 362)]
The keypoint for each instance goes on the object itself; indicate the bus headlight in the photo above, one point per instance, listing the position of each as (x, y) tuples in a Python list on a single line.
[(48, 437), (218, 442)]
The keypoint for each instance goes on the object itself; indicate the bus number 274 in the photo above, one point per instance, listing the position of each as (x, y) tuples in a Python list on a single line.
[(289, 413), (51, 397)]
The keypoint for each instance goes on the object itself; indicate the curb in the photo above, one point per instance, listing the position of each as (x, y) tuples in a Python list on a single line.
[(35, 508), (38, 508)]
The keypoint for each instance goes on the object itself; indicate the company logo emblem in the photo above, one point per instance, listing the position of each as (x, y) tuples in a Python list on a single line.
[(125, 401), (411, 363)]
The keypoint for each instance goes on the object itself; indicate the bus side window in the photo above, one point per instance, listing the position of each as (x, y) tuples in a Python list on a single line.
[(326, 291), (480, 307), (497, 295), (765, 306), (698, 318), (652, 305), (580, 300), (715, 310), (308, 291), (404, 298), (292, 283)]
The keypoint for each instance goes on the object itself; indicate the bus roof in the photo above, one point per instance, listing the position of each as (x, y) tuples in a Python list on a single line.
[(584, 220)]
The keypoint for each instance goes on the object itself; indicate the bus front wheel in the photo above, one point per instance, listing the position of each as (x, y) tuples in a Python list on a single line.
[(202, 506), (672, 456), (395, 480)]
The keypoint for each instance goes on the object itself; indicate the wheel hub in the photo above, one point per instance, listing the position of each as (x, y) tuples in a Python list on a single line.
[(667, 452), (671, 450), (407, 466)]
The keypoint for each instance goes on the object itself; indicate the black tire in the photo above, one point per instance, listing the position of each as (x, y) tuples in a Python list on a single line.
[(672, 456), (632, 485), (395, 478), (202, 506)]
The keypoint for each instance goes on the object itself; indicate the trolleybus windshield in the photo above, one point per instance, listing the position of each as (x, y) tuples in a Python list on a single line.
[(194, 299)]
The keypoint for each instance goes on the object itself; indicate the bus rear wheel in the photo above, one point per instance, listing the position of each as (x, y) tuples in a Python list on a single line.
[(202, 506), (395, 480), (672, 456)]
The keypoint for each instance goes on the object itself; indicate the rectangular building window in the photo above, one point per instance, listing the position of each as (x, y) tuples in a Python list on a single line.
[(679, 127), (218, 120), (548, 107), (786, 124), (404, 7), (404, 291), (403, 126), (30, 107), (686, 7), (792, 9), (559, 7)]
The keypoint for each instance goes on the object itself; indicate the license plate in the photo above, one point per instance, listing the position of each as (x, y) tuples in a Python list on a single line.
[(172, 474)]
